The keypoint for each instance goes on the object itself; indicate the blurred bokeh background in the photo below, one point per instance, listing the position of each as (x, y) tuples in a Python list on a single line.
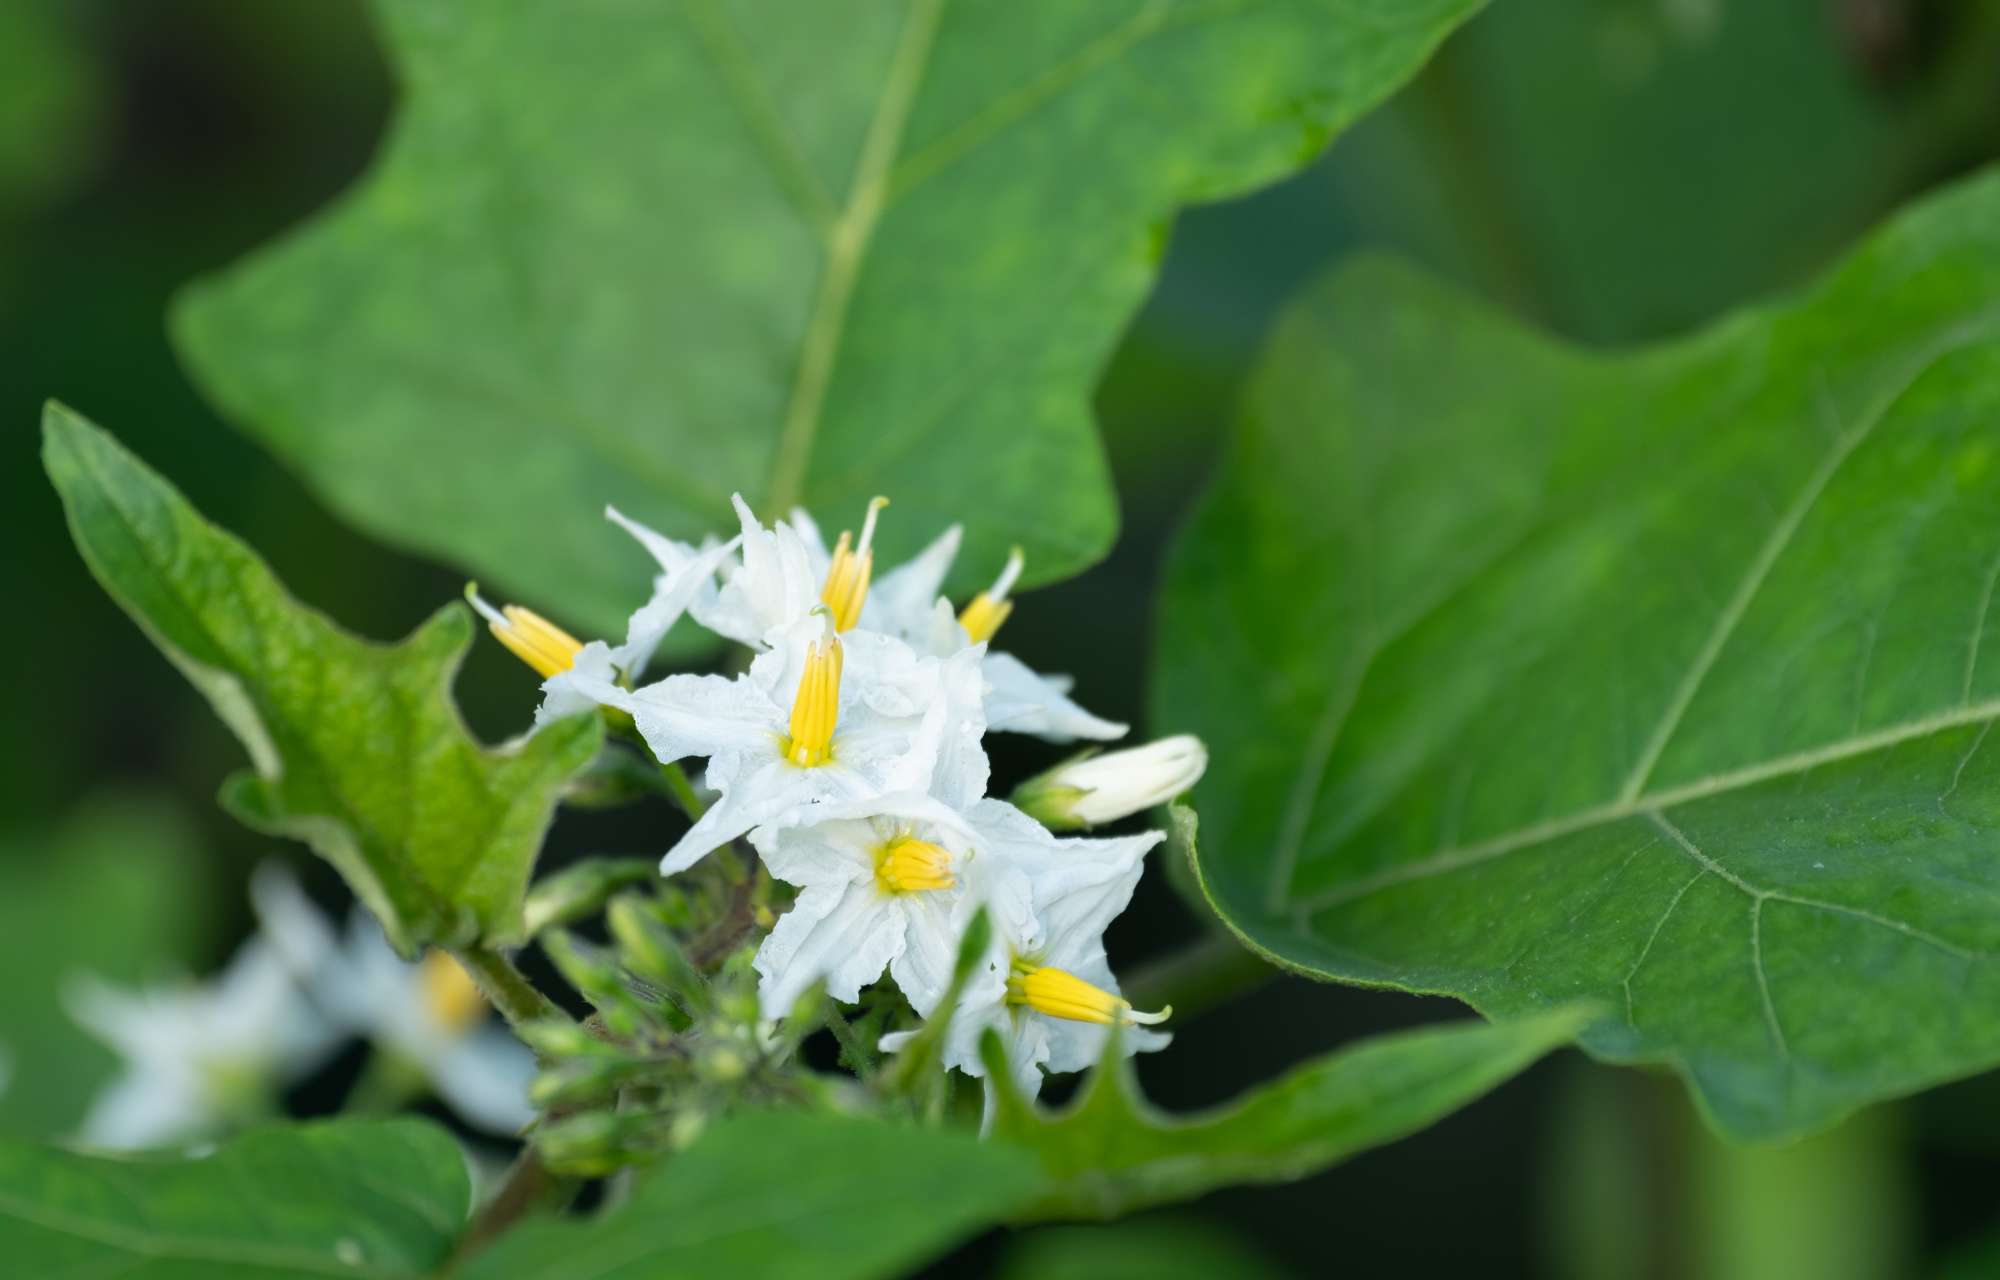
[(1612, 170)]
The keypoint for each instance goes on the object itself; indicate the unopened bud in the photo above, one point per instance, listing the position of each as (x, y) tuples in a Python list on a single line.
[(1093, 790)]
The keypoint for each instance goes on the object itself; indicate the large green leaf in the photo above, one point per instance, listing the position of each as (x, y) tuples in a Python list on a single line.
[(647, 252), (1111, 1152), (1661, 678), (374, 1199), (115, 891), (356, 747), (817, 1197)]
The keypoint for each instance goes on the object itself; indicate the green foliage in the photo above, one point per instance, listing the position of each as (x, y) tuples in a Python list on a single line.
[(817, 1197), (1157, 1249), (356, 747), (348, 1198), (650, 253), (116, 891), (1111, 1152), (1659, 679)]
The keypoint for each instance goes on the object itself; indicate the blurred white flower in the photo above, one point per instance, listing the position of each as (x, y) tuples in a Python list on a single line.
[(199, 1058), (428, 1015)]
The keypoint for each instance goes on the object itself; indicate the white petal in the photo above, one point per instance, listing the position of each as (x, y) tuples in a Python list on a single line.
[(484, 1076), (1020, 701), (301, 934), (836, 852), (687, 715), (775, 794), (773, 587), (144, 1109), (673, 592), (846, 934), (901, 601)]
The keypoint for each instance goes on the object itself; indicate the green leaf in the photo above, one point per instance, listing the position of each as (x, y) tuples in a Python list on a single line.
[(1155, 1249), (1111, 1152), (357, 747), (647, 253), (1659, 678), (380, 1199), (114, 890), (817, 1197)]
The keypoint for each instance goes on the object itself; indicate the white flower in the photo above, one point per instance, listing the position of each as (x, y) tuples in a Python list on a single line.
[(428, 1015), (570, 667), (1093, 790), (819, 719), (1050, 994), (199, 1059), (906, 604), (888, 884), (772, 586)]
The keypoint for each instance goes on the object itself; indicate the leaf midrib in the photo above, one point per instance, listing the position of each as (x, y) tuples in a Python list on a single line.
[(1620, 810)]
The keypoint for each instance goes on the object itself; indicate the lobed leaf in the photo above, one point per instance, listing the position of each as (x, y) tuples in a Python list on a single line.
[(1111, 1152), (646, 253), (1658, 678), (356, 747)]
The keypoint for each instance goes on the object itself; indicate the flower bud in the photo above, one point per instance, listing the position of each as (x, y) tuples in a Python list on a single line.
[(1090, 791)]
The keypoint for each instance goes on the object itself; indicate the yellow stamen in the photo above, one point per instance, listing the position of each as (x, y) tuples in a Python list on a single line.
[(449, 993), (528, 635), (990, 607), (816, 705), (909, 865), (1061, 994), (847, 578)]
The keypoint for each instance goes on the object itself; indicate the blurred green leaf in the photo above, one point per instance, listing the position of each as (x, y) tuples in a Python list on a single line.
[(49, 95), (346, 1198), (650, 253), (115, 890), (1658, 679), (1151, 1249), (1111, 1152), (356, 747), (816, 1197)]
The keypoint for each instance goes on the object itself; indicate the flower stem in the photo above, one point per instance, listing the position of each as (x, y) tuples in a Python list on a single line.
[(505, 986), (682, 790), (529, 1186)]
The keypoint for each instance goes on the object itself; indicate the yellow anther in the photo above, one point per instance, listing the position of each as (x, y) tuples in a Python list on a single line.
[(847, 578), (816, 705), (449, 994), (528, 635), (909, 865), (990, 607), (1061, 994)]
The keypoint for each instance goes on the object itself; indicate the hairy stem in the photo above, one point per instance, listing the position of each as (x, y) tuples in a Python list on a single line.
[(505, 986), (682, 791)]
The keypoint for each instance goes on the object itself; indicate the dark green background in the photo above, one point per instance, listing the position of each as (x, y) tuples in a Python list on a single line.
[(1610, 169)]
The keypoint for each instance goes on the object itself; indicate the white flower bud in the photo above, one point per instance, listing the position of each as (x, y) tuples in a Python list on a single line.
[(1092, 790)]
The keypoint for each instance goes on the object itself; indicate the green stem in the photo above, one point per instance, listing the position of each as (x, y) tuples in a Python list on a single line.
[(1198, 977), (506, 987), (683, 791), (852, 1051), (529, 1186)]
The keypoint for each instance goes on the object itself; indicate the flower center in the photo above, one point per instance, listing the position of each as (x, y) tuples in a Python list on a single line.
[(990, 607), (816, 705), (847, 578), (528, 635), (1059, 993), (449, 994), (909, 865)]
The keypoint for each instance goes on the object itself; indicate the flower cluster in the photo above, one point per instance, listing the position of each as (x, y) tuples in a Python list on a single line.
[(849, 754)]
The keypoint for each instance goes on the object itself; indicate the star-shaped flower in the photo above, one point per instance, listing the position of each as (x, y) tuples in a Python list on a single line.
[(886, 884), (1050, 992), (819, 719)]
